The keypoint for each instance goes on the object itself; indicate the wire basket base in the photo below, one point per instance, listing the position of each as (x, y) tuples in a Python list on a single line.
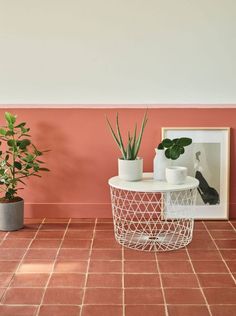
[(163, 241), (152, 221)]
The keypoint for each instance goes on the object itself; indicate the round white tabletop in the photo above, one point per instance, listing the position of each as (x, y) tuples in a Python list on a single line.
[(148, 184)]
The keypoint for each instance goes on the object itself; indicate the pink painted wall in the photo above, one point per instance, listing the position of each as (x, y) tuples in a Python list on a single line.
[(84, 156)]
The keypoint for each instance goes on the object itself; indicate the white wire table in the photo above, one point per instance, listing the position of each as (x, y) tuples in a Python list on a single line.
[(152, 215)]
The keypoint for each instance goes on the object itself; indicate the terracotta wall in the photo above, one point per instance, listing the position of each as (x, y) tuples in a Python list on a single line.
[(83, 155)]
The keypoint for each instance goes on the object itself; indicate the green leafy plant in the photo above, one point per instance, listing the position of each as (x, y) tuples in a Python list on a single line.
[(18, 158), (174, 148), (130, 151)]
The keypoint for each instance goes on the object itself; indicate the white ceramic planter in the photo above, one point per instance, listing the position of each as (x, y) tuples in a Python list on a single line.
[(130, 170), (160, 164), (176, 175), (12, 215)]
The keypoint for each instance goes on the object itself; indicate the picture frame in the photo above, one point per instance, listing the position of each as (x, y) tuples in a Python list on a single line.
[(208, 160)]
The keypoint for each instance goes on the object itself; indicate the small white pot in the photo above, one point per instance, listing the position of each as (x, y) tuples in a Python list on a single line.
[(160, 163), (130, 170), (176, 175)]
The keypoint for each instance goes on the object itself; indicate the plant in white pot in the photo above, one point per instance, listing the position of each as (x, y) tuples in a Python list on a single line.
[(166, 151), (18, 161), (130, 166)]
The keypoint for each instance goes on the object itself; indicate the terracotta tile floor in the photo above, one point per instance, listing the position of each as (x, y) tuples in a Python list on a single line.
[(74, 267)]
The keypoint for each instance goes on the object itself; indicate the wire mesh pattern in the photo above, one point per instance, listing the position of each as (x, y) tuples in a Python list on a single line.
[(153, 221)]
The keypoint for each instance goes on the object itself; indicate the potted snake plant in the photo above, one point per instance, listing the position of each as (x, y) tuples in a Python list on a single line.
[(130, 166), (19, 160)]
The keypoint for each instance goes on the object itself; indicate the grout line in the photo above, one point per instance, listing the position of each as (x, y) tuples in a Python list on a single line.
[(199, 284), (4, 238), (234, 228), (161, 285), (21, 260), (87, 270), (50, 274), (222, 258), (123, 279)]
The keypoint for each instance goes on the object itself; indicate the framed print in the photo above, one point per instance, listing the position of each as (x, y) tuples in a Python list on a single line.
[(206, 159)]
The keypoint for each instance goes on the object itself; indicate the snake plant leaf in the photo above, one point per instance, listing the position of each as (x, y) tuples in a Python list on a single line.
[(144, 122), (119, 136), (112, 132)]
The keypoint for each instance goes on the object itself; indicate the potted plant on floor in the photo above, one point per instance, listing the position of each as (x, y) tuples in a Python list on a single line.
[(18, 161), (166, 151), (130, 166)]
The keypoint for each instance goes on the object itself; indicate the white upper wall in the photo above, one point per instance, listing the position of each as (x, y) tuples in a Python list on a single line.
[(117, 52)]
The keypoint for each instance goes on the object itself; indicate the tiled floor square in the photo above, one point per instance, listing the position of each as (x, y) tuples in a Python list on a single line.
[(53, 226), (106, 254), (176, 280), (41, 254), (184, 296), (70, 266), (223, 310), (35, 266), (76, 243), (105, 244), (50, 234), (8, 266), (143, 296), (81, 226), (200, 255), (216, 280), (147, 310), (108, 296), (223, 234), (59, 310), (45, 243), (98, 266), (142, 280), (5, 279), (9, 310), (130, 254), (12, 254), (209, 267), (219, 296), (140, 267), (104, 310), (218, 225), (23, 296), (73, 254), (226, 243), (231, 265), (188, 310), (30, 280), (104, 234), (104, 280), (177, 267), (77, 234), (228, 254), (178, 255), (67, 296), (65, 280)]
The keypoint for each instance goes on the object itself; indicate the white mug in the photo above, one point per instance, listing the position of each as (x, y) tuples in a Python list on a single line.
[(176, 175)]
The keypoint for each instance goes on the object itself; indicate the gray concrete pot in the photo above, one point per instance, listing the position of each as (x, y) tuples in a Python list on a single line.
[(12, 215)]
